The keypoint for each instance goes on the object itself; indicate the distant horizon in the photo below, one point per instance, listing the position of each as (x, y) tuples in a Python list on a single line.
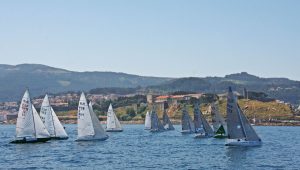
[(144, 75)]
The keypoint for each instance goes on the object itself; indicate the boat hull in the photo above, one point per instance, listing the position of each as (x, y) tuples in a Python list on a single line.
[(114, 130), (236, 142), (24, 140), (201, 136), (156, 131), (59, 138), (91, 138)]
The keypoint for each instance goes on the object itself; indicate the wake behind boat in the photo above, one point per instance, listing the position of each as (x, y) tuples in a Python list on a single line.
[(240, 131), (89, 127), (29, 127), (51, 121), (112, 123)]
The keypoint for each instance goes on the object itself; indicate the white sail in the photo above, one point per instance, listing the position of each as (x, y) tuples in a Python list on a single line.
[(25, 123), (85, 124), (59, 129), (51, 121), (98, 129), (40, 129), (113, 123), (148, 121)]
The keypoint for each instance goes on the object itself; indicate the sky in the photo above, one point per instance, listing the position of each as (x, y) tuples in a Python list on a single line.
[(167, 38)]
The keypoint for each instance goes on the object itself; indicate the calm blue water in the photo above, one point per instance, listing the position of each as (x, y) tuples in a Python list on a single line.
[(139, 149)]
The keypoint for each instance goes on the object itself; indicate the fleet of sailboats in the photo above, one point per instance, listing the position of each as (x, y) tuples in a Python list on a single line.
[(29, 127), (88, 125), (51, 121), (32, 127), (240, 131), (112, 123)]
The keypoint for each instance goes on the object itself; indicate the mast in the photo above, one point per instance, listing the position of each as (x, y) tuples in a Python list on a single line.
[(33, 123)]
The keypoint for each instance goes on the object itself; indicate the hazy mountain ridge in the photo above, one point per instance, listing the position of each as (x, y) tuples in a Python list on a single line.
[(41, 79), (278, 88)]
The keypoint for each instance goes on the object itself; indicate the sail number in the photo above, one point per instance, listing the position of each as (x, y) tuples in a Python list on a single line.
[(25, 105)]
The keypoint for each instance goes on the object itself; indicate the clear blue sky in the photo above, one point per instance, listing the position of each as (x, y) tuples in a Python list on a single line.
[(155, 37)]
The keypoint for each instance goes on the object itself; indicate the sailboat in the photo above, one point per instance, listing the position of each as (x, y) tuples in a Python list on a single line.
[(202, 127), (240, 131), (51, 121), (219, 124), (29, 127), (166, 122), (148, 121), (112, 123), (89, 127), (156, 125), (187, 123)]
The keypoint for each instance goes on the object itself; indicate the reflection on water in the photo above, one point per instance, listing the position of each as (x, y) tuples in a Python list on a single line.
[(236, 156)]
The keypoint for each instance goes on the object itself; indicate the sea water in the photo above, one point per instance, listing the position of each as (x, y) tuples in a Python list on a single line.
[(136, 148)]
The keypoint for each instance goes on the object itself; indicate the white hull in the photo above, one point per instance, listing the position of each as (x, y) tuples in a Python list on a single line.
[(91, 138), (242, 142), (199, 136)]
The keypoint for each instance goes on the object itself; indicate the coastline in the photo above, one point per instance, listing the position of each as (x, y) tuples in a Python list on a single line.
[(175, 122)]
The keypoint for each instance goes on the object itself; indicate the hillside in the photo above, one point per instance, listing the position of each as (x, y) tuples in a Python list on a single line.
[(41, 79), (277, 88)]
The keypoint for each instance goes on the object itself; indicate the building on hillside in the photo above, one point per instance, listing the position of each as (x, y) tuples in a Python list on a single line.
[(174, 99), (12, 116), (149, 98)]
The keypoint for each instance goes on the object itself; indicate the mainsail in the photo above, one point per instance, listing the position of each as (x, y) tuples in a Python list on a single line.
[(113, 124), (156, 125), (186, 122), (201, 125), (29, 124), (51, 120), (25, 122), (85, 124), (238, 125), (89, 127), (166, 122), (148, 121), (218, 121)]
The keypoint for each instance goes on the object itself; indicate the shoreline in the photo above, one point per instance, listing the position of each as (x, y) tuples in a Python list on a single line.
[(175, 122)]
